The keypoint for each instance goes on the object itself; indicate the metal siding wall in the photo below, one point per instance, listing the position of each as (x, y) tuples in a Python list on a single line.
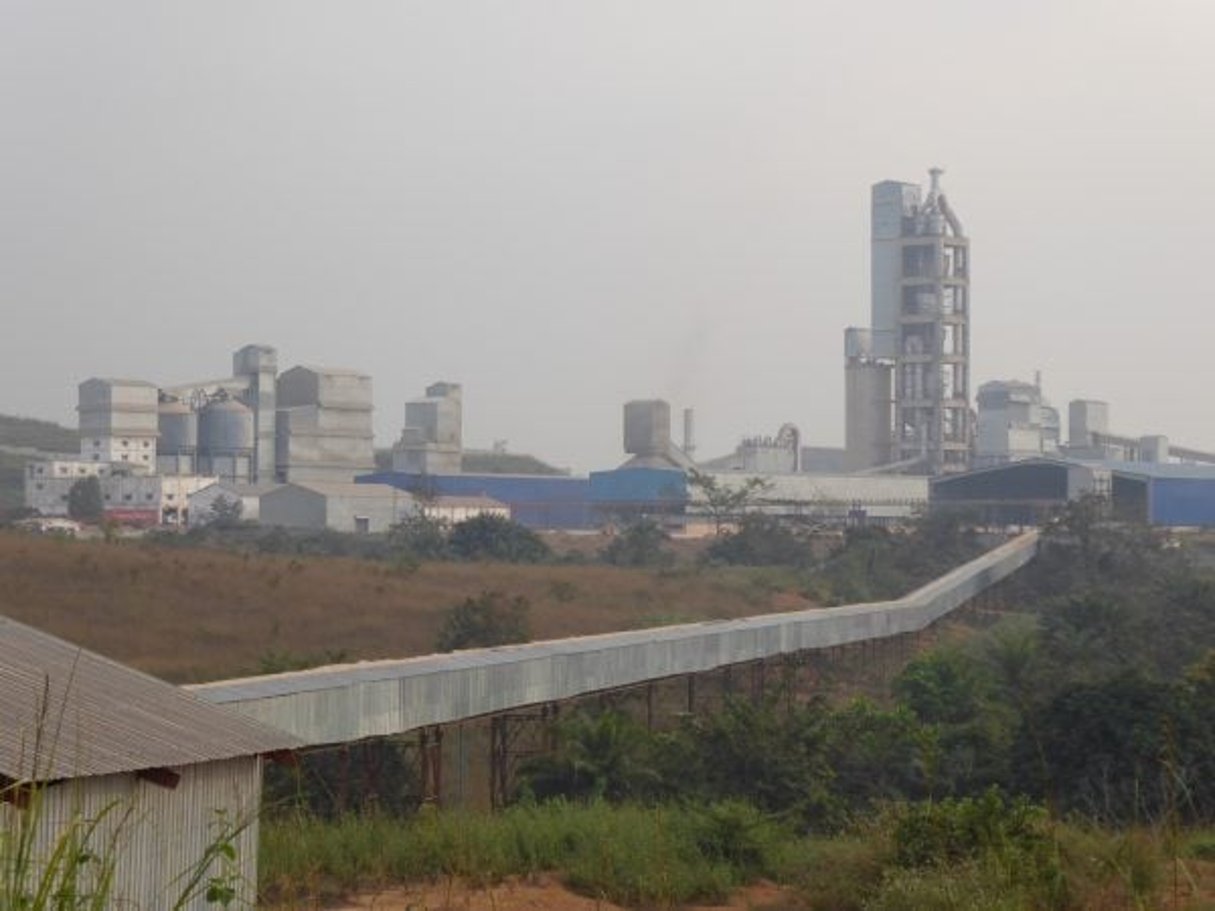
[(160, 835), (1182, 501), (381, 699)]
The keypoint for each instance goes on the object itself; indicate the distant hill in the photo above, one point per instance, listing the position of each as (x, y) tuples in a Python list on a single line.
[(21, 439), (480, 461), (30, 433)]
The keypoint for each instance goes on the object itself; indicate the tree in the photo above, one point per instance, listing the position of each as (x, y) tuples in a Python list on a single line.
[(85, 502), (725, 503), (421, 537), (490, 537), (640, 544), (225, 512), (760, 540), (491, 618)]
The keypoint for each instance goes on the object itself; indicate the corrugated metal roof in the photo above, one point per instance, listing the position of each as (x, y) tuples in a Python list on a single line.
[(469, 502), (66, 713)]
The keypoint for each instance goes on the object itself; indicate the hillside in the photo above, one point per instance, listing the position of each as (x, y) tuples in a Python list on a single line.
[(20, 439), (30, 433), (190, 615)]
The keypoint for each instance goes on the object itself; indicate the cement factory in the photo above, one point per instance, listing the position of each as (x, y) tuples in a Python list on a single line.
[(296, 448)]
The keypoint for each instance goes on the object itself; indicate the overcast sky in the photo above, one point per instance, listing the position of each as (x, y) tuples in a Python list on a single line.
[(564, 205)]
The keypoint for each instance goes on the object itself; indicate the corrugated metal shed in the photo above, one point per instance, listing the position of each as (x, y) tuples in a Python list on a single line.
[(66, 713)]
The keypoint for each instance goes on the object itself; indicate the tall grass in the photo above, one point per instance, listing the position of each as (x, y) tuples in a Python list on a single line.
[(626, 853)]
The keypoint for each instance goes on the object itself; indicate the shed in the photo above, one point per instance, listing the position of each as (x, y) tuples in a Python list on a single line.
[(201, 503), (336, 505), (1024, 492), (167, 774), (1171, 495)]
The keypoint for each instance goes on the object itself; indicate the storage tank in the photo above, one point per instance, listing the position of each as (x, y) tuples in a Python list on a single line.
[(225, 440), (178, 424), (225, 426)]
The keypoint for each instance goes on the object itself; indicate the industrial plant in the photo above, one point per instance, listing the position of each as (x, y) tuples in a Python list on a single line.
[(296, 448)]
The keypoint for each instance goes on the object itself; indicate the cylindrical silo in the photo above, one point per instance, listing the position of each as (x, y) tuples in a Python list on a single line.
[(225, 439), (177, 446)]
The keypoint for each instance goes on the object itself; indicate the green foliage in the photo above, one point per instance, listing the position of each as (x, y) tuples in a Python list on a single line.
[(760, 540), (420, 537), (639, 544), (947, 831), (628, 854), (607, 755), (490, 537), (491, 618), (85, 503), (878, 564), (725, 503), (225, 512)]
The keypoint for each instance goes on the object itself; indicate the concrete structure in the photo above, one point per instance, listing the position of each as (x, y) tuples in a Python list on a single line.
[(226, 439), (344, 703), (432, 441), (163, 772), (348, 507), (779, 454), (324, 430), (202, 502), (1014, 422), (647, 436), (919, 335), (257, 365), (128, 495), (118, 421)]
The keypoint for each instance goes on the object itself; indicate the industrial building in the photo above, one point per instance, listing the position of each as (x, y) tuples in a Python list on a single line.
[(165, 772), (1029, 491), (202, 503), (432, 441), (337, 506), (153, 447), (1014, 422), (907, 376)]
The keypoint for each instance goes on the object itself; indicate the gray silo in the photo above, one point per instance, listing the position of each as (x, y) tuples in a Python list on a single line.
[(225, 440), (177, 448)]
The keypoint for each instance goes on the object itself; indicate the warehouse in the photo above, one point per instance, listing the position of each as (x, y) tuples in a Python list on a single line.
[(1168, 495), (166, 773), (1018, 493), (357, 508)]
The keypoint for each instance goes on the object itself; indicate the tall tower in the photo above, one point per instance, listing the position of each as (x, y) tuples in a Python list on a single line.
[(258, 364), (920, 332)]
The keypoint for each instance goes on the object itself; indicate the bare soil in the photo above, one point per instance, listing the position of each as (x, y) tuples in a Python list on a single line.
[(543, 893)]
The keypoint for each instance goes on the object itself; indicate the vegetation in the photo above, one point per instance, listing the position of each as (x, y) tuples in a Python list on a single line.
[(642, 543), (491, 618), (43, 436), (84, 500), (725, 503), (490, 537)]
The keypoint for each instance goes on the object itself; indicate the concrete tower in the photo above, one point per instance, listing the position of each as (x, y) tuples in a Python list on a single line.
[(919, 340), (258, 364)]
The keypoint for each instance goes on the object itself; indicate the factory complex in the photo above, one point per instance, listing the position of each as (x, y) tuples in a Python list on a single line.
[(296, 448)]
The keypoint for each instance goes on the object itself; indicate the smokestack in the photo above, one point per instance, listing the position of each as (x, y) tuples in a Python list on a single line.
[(689, 432)]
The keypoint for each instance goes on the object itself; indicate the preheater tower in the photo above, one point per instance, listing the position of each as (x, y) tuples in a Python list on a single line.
[(919, 338)]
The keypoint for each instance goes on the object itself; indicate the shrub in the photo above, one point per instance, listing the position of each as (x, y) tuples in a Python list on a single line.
[(491, 618)]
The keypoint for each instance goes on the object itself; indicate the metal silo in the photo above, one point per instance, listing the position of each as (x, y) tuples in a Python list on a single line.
[(178, 442), (225, 439)]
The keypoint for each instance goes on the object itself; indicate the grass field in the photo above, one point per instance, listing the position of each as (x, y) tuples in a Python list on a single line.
[(192, 615)]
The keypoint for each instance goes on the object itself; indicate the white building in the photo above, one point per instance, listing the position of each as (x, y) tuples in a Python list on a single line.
[(348, 507), (118, 421), (452, 510), (128, 493)]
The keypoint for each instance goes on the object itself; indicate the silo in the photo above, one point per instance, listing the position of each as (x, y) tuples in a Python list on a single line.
[(178, 443), (225, 440)]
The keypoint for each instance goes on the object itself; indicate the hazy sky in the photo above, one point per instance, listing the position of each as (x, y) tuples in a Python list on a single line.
[(564, 205)]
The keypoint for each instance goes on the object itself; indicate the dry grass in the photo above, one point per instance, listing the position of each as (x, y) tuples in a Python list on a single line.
[(192, 615)]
